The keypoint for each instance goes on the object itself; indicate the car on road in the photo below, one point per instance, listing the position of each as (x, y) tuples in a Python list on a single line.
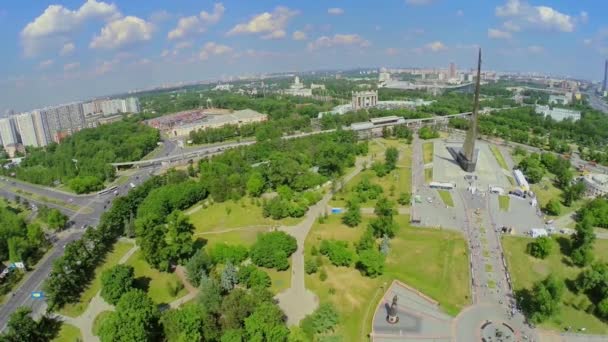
[(132, 185)]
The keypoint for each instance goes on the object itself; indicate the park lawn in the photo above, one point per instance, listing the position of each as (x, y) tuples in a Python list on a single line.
[(433, 261), (99, 320), (499, 157), (154, 281), (400, 179), (427, 152), (526, 270), (428, 175), (230, 214), (68, 333), (446, 197), (504, 202), (119, 250), (281, 280), (545, 190)]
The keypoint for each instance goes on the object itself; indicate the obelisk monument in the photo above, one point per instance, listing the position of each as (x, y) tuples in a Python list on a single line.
[(467, 155)]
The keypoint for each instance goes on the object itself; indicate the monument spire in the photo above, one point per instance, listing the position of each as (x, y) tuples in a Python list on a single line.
[(469, 143), (467, 155)]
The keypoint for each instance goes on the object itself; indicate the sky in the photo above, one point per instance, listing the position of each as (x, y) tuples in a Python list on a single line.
[(68, 50)]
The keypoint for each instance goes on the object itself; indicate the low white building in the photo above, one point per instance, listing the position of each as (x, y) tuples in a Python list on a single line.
[(558, 114), (298, 89), (538, 232), (521, 180)]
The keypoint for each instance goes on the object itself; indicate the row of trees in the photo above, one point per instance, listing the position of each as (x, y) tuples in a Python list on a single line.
[(20, 241), (83, 159)]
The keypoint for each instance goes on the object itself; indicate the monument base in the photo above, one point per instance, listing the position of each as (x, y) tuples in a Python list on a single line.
[(466, 164)]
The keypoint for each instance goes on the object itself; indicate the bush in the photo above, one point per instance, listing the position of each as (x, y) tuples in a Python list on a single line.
[(322, 275), (223, 253), (540, 247), (271, 250), (253, 277), (337, 252), (310, 266), (371, 263), (323, 320), (200, 263), (553, 207)]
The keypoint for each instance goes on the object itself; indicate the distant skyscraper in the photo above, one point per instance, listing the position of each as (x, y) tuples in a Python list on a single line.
[(7, 132), (452, 71), (25, 127), (605, 85)]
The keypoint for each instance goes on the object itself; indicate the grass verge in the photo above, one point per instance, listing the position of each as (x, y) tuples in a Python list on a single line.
[(428, 175), (74, 310), (499, 157), (68, 333), (526, 270), (504, 202), (154, 282), (446, 197), (427, 152), (433, 261)]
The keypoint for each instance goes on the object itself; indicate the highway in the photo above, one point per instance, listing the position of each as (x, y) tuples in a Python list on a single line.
[(597, 102)]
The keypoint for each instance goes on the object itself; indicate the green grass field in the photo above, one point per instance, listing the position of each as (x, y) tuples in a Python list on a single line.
[(154, 281), (73, 310), (68, 333), (99, 320), (526, 270), (399, 180), (446, 197), (229, 214), (428, 175), (503, 202), (499, 157), (281, 280), (433, 261), (427, 152), (545, 190)]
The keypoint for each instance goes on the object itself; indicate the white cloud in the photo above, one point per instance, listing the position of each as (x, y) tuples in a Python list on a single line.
[(338, 40), (299, 35), (418, 2), (270, 25), (214, 49), (535, 49), (57, 23), (71, 66), (523, 14), (67, 49), (188, 26), (435, 46), (335, 11), (391, 51), (122, 32), (46, 64), (498, 34)]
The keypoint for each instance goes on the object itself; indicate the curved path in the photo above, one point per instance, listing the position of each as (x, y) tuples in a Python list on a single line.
[(297, 301)]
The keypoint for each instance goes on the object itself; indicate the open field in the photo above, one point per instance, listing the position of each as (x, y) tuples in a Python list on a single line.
[(73, 310), (153, 281), (433, 261), (281, 280), (427, 152), (68, 333), (229, 214), (545, 190), (503, 202), (499, 157), (393, 184), (446, 197), (526, 270)]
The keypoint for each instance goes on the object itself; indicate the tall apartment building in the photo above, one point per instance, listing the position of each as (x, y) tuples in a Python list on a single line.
[(41, 126), (26, 129), (7, 132), (605, 84)]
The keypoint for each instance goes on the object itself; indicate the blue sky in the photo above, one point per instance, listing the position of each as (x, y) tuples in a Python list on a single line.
[(66, 50)]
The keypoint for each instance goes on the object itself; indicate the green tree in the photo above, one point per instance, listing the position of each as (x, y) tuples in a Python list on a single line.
[(229, 277), (272, 250), (199, 264), (545, 299), (115, 282), (255, 184), (310, 266), (56, 219), (404, 198), (22, 327), (371, 263), (367, 240), (337, 252), (323, 320), (135, 319), (210, 294), (223, 253), (391, 155), (253, 277), (178, 237), (541, 247), (352, 217), (183, 324), (266, 323), (553, 207)]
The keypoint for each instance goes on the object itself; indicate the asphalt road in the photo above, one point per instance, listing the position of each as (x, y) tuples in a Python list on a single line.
[(597, 102)]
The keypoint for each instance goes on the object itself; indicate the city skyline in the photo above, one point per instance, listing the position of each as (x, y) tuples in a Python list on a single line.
[(79, 49)]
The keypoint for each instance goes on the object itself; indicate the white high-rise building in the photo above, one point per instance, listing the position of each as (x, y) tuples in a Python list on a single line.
[(41, 126), (7, 132), (25, 128)]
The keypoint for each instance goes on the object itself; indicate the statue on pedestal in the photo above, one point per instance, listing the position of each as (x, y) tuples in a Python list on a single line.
[(392, 317)]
